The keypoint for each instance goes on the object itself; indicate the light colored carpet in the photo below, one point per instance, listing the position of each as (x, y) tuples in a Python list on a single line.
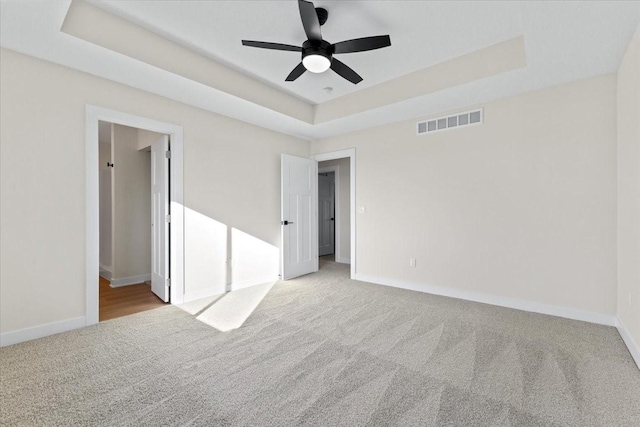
[(324, 350)]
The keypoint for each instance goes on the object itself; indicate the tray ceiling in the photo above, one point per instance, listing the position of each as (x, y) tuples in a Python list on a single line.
[(562, 42)]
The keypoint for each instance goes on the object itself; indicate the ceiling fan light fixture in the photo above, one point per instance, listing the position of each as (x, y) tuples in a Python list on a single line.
[(316, 63), (317, 53)]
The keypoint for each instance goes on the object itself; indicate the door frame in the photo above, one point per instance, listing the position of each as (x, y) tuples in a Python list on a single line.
[(336, 207), (93, 114), (341, 154)]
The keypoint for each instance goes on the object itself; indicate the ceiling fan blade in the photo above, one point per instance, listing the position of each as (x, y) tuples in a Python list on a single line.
[(274, 46), (310, 20), (361, 45), (345, 72), (297, 72)]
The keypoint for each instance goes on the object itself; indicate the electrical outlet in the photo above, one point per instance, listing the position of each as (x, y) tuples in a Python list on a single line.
[(412, 262)]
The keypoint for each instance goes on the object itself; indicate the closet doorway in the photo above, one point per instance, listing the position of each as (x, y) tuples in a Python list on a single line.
[(134, 220)]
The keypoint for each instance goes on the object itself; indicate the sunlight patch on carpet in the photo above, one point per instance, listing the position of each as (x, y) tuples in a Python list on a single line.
[(233, 308)]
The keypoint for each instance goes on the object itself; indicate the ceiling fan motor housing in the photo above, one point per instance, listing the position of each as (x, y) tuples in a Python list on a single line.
[(315, 47)]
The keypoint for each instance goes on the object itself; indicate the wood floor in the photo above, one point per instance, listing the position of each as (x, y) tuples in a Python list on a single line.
[(118, 302)]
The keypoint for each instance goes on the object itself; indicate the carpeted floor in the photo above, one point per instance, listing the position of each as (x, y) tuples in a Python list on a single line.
[(324, 350)]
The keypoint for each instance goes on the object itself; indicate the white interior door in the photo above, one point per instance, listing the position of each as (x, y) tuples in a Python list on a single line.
[(299, 252), (160, 220), (326, 211)]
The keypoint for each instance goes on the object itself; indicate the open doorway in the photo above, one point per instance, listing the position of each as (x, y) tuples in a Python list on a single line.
[(133, 220), (94, 115), (334, 205), (299, 252), (327, 224)]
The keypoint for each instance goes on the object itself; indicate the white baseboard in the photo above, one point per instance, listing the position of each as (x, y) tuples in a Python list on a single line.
[(133, 280), (105, 273), (203, 293), (343, 260), (28, 334), (633, 347), (248, 283), (218, 290), (518, 304)]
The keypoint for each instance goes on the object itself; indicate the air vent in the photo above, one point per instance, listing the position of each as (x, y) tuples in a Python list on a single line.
[(459, 120)]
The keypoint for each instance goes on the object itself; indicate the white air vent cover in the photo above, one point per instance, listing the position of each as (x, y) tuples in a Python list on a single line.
[(459, 120)]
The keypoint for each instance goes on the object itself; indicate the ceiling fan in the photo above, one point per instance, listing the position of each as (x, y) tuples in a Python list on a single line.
[(317, 53)]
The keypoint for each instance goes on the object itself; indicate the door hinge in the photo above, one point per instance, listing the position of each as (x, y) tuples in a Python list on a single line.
[(168, 218), (167, 154), (168, 283)]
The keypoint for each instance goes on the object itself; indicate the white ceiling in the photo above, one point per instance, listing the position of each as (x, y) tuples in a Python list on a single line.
[(422, 34), (565, 41)]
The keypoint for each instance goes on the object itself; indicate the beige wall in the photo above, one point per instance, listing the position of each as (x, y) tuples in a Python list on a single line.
[(522, 206), (629, 190), (131, 207), (231, 174), (104, 156), (345, 216), (105, 213), (146, 138)]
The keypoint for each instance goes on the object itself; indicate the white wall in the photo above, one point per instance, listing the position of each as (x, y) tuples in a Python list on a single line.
[(231, 173), (629, 191), (345, 217), (521, 207), (131, 207)]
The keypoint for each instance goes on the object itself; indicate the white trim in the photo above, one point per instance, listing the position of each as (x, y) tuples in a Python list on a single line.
[(128, 281), (343, 260), (336, 206), (633, 347), (202, 293), (314, 230), (93, 115), (235, 286), (105, 272), (518, 304), (28, 334), (351, 154)]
